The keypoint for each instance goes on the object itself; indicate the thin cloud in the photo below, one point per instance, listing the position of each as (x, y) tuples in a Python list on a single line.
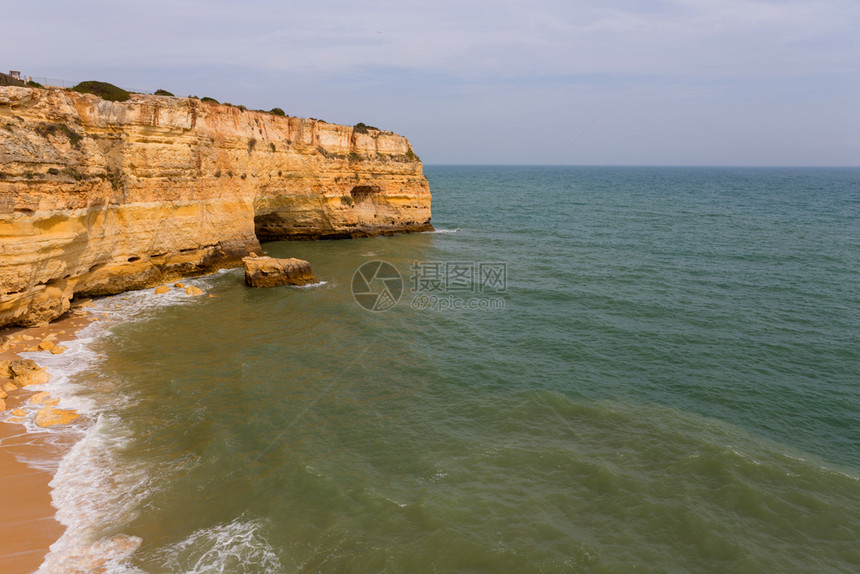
[(686, 69)]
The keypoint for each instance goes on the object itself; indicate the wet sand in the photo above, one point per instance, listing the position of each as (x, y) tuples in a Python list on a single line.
[(27, 519), (27, 526)]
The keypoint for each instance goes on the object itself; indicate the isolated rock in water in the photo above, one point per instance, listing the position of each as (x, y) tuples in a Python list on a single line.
[(27, 372), (50, 416), (192, 290), (39, 398), (179, 285), (162, 289), (58, 349), (271, 272), (46, 345)]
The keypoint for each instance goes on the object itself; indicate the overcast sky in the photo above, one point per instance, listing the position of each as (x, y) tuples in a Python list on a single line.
[(625, 82)]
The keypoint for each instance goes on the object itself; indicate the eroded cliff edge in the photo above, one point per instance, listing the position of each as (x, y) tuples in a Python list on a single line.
[(98, 197)]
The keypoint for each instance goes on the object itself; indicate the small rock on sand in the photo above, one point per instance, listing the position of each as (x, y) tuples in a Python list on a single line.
[(58, 349), (162, 289), (50, 416), (46, 345), (27, 372)]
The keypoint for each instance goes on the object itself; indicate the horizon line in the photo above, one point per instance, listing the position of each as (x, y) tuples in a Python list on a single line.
[(726, 166)]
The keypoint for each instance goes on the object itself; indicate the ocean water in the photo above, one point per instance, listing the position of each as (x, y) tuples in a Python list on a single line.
[(587, 370)]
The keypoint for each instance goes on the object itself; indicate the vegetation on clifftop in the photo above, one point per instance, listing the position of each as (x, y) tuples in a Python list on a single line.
[(363, 128), (103, 90)]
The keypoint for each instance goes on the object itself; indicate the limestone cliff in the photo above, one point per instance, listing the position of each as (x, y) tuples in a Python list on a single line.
[(97, 197)]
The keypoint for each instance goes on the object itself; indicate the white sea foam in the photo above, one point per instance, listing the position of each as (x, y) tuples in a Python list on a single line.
[(92, 491), (238, 546), (443, 231)]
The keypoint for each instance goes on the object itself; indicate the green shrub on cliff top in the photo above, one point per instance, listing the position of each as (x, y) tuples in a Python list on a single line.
[(163, 93), (277, 112), (363, 128), (208, 99), (103, 90)]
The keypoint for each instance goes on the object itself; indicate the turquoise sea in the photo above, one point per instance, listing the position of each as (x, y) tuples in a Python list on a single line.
[(589, 369)]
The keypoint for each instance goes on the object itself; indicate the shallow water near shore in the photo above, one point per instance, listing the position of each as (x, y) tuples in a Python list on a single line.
[(665, 378)]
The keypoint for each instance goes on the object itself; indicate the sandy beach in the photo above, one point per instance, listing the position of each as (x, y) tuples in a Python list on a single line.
[(27, 523)]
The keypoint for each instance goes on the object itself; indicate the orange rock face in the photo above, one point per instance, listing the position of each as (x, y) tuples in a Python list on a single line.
[(99, 197)]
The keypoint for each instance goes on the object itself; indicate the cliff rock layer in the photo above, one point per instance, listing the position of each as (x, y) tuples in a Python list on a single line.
[(98, 197)]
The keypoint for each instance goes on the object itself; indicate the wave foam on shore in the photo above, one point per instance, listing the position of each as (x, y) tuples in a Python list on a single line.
[(95, 493)]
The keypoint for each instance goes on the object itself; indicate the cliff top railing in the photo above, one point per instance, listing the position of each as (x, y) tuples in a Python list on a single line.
[(68, 84)]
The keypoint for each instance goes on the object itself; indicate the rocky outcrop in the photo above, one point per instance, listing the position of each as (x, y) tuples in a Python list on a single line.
[(49, 416), (23, 373), (271, 272), (98, 197)]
